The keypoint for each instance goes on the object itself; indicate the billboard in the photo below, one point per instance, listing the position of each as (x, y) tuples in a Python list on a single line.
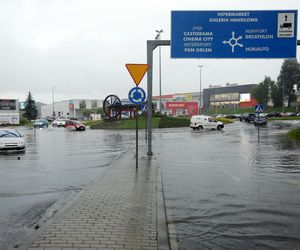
[(8, 104), (245, 97), (234, 34), (182, 108)]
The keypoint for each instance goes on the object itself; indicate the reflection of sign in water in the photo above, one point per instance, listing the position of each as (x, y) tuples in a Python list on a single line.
[(7, 104)]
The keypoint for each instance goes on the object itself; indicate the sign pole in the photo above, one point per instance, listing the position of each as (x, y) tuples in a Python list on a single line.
[(136, 138), (151, 45), (258, 127)]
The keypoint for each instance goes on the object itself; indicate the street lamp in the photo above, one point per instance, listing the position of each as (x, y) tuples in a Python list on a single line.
[(282, 97), (53, 112), (158, 38), (200, 67)]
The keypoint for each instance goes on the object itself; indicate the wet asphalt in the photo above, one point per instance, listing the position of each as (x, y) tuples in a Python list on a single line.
[(226, 190), (223, 189)]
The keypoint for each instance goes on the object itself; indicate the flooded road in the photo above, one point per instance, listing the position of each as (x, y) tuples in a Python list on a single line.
[(57, 164), (224, 190)]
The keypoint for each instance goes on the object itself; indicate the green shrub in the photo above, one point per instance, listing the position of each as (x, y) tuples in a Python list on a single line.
[(295, 134), (170, 122), (24, 121)]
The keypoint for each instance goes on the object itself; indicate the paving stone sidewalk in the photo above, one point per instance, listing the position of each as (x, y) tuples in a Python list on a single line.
[(118, 210)]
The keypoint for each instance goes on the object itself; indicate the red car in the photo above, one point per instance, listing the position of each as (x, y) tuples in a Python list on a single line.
[(74, 125)]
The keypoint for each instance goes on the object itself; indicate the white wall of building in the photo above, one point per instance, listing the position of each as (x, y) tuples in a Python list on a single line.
[(9, 111), (69, 108)]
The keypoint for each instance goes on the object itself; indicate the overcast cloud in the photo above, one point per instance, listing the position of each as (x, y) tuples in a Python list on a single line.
[(80, 47)]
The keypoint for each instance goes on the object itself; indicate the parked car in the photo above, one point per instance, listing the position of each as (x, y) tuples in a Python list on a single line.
[(74, 125), (260, 120), (10, 139), (298, 114), (60, 122), (41, 123), (247, 117), (200, 122), (274, 114)]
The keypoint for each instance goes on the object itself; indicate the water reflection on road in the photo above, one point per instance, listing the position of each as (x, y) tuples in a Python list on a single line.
[(56, 165), (223, 189)]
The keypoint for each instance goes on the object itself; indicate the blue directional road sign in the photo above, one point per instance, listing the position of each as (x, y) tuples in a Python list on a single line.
[(259, 108), (137, 95), (234, 34)]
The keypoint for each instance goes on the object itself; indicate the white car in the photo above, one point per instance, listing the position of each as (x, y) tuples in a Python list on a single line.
[(60, 122), (200, 122), (10, 139)]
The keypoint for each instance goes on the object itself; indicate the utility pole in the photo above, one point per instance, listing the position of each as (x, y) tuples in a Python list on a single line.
[(53, 110), (200, 67), (158, 38)]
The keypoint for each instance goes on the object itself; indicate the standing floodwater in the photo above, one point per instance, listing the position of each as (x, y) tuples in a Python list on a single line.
[(224, 190), (57, 164)]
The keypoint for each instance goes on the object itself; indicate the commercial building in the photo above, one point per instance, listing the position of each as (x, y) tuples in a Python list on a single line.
[(70, 108), (228, 96), (178, 104), (9, 111), (214, 97)]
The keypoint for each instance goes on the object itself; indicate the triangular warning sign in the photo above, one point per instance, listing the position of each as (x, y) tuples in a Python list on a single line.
[(137, 71)]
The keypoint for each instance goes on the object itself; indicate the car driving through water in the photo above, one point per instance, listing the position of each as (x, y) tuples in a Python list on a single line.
[(11, 139), (201, 122)]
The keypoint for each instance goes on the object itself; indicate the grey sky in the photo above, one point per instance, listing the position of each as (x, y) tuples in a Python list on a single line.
[(81, 47)]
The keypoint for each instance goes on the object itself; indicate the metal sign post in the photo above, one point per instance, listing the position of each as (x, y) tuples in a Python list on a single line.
[(137, 96), (151, 45), (258, 109), (136, 138)]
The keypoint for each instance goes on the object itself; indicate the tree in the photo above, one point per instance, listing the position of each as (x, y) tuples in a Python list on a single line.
[(289, 77), (276, 96), (82, 104), (261, 92), (31, 111)]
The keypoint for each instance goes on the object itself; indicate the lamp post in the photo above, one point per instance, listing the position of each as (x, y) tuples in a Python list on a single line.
[(200, 67), (53, 111), (282, 96), (158, 38)]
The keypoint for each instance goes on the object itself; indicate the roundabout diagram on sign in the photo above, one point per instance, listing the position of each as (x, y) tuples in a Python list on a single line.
[(233, 41), (137, 95)]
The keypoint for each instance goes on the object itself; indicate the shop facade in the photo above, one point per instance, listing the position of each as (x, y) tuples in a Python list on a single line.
[(9, 111)]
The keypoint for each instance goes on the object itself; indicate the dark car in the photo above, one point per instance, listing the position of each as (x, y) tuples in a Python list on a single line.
[(74, 125), (247, 117), (260, 120), (41, 123)]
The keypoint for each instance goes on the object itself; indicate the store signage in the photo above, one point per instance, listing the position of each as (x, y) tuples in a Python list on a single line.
[(234, 34), (8, 104), (181, 105)]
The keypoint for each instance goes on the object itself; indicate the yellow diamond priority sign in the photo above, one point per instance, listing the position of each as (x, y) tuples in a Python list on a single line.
[(137, 71)]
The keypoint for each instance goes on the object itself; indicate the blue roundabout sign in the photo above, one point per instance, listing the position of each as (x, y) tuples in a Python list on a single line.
[(137, 95)]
